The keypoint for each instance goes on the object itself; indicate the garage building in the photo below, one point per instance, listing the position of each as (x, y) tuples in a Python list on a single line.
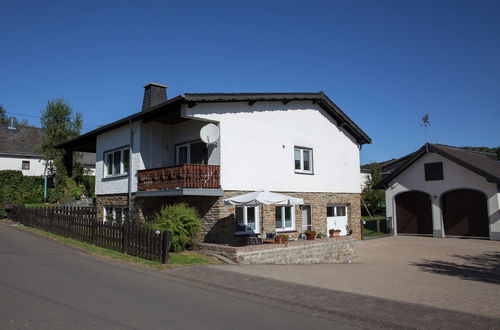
[(445, 191)]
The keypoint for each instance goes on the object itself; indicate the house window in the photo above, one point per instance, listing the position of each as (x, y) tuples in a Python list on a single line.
[(336, 211), (115, 213), (248, 216), (116, 162), (26, 165), (191, 153), (285, 218), (433, 171), (303, 160)]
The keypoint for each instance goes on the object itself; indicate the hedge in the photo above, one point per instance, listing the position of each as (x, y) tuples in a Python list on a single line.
[(15, 188)]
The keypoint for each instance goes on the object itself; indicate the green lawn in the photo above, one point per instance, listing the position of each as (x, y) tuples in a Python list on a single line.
[(370, 226), (39, 205), (176, 259), (371, 233)]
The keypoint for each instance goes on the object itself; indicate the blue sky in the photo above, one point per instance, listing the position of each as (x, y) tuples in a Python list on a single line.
[(385, 63)]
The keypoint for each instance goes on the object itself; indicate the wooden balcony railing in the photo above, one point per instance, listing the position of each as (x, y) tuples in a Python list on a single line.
[(179, 176)]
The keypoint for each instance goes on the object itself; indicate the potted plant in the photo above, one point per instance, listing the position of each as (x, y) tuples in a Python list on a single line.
[(281, 239), (310, 234), (336, 232), (321, 235)]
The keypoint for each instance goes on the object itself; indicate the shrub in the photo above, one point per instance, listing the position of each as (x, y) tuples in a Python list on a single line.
[(181, 221), (15, 188)]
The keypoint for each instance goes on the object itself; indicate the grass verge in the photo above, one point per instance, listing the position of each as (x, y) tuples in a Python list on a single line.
[(186, 258)]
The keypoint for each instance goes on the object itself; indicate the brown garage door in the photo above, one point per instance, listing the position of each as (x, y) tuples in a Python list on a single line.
[(414, 213), (465, 213)]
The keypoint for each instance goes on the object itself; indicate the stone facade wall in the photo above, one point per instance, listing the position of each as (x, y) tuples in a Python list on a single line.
[(219, 220), (329, 250)]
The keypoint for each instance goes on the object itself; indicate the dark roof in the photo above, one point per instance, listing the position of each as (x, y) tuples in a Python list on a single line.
[(21, 141), (386, 167), (171, 108), (477, 162), (87, 158)]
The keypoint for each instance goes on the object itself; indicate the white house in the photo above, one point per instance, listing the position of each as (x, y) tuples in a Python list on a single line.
[(300, 144), (445, 191), (18, 152)]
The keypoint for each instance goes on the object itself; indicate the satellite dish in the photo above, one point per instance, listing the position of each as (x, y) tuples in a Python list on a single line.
[(209, 133)]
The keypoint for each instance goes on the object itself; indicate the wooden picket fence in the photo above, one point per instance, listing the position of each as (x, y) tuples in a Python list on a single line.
[(82, 224)]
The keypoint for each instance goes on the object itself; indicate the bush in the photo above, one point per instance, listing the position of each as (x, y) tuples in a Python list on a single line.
[(15, 188), (181, 221)]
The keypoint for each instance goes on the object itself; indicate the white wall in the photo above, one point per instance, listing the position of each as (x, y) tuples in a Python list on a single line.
[(257, 147), (455, 177), (111, 140), (37, 166), (158, 142)]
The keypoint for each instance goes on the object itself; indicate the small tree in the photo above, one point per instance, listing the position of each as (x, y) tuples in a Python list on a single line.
[(374, 199), (181, 221), (59, 124)]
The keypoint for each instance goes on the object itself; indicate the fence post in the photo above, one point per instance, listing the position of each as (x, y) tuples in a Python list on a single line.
[(46, 213), (125, 237), (93, 230), (378, 226), (165, 247), (68, 217)]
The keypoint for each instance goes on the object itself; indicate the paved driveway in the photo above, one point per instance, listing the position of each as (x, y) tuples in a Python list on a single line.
[(458, 274)]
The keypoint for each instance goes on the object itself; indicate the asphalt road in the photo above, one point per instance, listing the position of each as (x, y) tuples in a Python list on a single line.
[(44, 285)]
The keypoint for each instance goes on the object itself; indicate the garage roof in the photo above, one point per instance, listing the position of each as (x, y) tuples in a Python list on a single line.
[(471, 160)]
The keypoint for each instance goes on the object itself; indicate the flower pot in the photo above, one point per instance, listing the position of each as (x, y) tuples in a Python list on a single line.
[(331, 234), (280, 240), (336, 233), (310, 236)]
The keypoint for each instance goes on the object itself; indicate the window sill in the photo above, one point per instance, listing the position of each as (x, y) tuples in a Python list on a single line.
[(285, 231), (117, 176), (306, 173)]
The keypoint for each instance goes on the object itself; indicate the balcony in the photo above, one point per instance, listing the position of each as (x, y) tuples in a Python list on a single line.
[(179, 177)]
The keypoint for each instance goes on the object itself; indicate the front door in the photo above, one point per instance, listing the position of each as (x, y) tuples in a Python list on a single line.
[(306, 217), (336, 218)]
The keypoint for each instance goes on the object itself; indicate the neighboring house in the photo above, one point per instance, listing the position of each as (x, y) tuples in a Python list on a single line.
[(87, 159), (300, 144), (18, 150), (445, 191)]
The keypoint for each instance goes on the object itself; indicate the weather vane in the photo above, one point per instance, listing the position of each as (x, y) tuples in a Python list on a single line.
[(425, 122)]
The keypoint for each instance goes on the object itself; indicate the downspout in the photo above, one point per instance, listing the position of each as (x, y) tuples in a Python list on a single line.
[(129, 196)]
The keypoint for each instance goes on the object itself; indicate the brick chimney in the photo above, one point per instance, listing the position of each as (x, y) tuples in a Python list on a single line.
[(154, 94)]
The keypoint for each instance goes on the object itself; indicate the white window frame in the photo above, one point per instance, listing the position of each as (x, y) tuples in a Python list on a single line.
[(123, 171), (292, 209), (188, 155), (188, 150), (106, 210), (301, 169), (257, 216)]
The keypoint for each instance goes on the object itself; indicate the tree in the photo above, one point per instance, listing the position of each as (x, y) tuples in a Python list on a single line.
[(59, 124), (374, 199)]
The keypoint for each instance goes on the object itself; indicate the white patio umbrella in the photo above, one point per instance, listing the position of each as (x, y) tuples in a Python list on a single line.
[(263, 198)]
